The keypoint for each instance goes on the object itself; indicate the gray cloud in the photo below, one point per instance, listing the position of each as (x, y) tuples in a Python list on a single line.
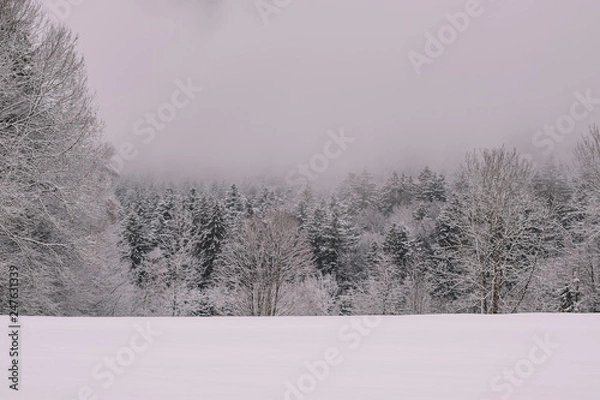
[(271, 92)]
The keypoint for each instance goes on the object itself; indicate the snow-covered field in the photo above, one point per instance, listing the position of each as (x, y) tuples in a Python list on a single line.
[(463, 357)]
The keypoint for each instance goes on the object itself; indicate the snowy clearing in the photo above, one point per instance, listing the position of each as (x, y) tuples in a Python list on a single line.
[(533, 356)]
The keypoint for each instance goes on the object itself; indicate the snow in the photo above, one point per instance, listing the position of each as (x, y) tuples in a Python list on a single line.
[(410, 357)]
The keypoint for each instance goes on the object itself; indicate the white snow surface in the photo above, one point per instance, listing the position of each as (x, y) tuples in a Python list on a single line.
[(405, 357)]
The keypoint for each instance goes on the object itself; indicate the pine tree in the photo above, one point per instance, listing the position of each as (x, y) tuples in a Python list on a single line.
[(350, 261), (420, 212), (265, 201), (359, 192), (316, 232), (211, 241), (569, 296), (191, 200), (305, 205), (431, 186), (136, 243), (397, 246), (567, 303), (331, 235), (391, 194), (172, 269), (199, 210), (234, 203), (448, 239), (165, 210), (249, 209), (373, 256), (408, 189)]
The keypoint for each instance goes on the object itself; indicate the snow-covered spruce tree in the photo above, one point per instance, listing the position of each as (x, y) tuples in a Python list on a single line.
[(359, 192), (54, 188), (234, 204), (165, 212), (430, 194), (396, 192), (262, 268), (172, 272), (333, 240), (305, 206), (569, 296), (448, 281), (264, 201), (198, 210), (343, 236), (430, 186), (373, 254), (136, 240), (397, 246), (398, 276), (409, 189), (315, 227), (212, 235), (391, 194), (498, 230), (553, 184)]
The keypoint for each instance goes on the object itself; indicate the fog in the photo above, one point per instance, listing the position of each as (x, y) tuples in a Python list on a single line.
[(274, 85)]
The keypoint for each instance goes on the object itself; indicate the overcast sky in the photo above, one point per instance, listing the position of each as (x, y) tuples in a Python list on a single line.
[(272, 91)]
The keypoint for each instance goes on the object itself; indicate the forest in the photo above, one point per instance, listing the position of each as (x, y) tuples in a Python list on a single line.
[(496, 234), (497, 237)]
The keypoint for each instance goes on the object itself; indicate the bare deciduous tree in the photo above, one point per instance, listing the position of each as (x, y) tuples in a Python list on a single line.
[(587, 231), (500, 229), (54, 202), (265, 264)]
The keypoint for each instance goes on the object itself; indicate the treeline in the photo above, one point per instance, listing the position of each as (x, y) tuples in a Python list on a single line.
[(499, 236)]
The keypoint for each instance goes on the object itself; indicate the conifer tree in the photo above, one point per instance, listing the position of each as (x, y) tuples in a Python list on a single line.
[(397, 247), (136, 242), (305, 205), (359, 192), (234, 202), (431, 186), (391, 194), (165, 212), (214, 231)]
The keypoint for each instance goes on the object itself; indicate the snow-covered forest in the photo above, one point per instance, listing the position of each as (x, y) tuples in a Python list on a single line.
[(169, 174), (496, 234)]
